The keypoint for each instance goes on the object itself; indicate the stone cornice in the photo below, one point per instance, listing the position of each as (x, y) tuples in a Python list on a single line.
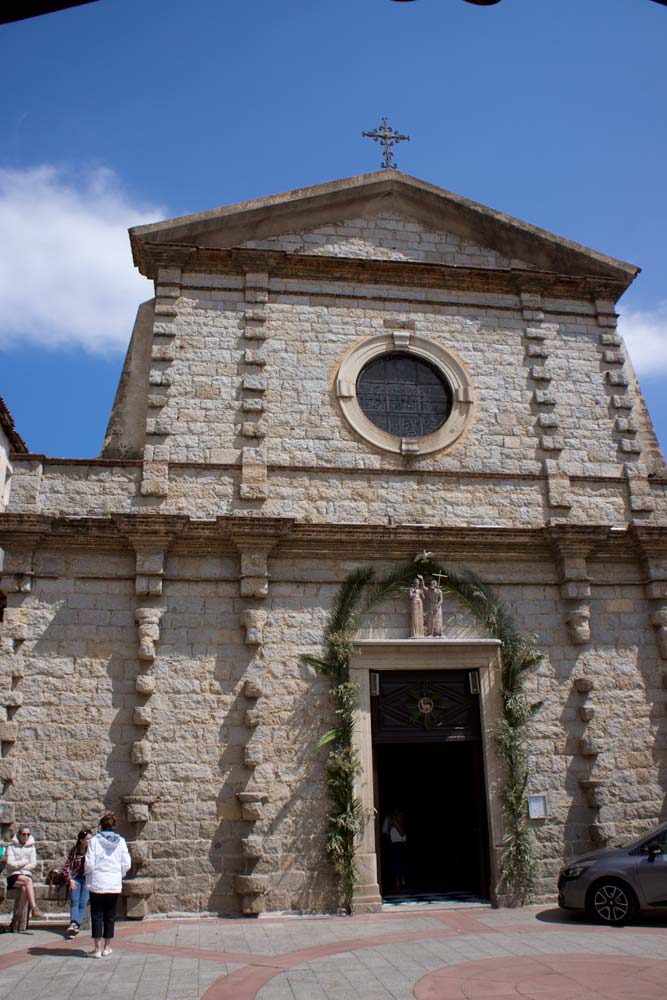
[(302, 540), (151, 257)]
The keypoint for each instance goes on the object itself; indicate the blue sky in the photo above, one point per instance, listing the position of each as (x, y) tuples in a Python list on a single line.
[(125, 111)]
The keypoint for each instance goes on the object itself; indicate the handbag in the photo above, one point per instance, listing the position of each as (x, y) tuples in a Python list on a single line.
[(57, 880)]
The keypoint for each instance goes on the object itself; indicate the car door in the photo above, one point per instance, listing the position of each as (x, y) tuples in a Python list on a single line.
[(652, 871)]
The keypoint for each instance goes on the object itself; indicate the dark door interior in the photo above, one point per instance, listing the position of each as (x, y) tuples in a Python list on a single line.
[(436, 788), (433, 774)]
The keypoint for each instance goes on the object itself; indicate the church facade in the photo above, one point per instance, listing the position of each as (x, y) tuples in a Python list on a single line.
[(344, 376)]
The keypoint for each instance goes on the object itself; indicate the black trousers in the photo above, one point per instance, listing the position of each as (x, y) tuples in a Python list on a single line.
[(103, 913)]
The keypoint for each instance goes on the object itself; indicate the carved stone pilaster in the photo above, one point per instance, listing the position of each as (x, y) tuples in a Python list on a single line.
[(652, 544), (572, 545)]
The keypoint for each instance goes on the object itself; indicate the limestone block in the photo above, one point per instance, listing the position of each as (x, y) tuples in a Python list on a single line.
[(575, 590), (253, 621), (584, 684), (138, 887), (138, 851), (610, 340), (251, 848), (136, 908), (547, 420), (7, 769), (602, 833), (145, 684), (254, 383), (544, 398), (255, 331), (578, 625), (252, 718), (595, 792), (257, 315), (252, 905), (550, 442), (536, 351), (253, 687), (252, 405), (142, 715), (163, 352), (613, 357), (141, 752), (247, 885), (629, 446), (253, 755), (540, 373), (253, 491), (137, 812), (255, 357), (252, 811), (155, 479), (148, 631), (617, 378), (9, 732), (586, 713), (253, 430), (6, 812), (621, 402), (590, 747), (254, 586), (11, 699)]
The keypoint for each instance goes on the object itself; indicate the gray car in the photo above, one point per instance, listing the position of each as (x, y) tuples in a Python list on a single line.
[(614, 884)]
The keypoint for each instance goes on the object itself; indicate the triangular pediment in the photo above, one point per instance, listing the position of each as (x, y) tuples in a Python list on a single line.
[(387, 216)]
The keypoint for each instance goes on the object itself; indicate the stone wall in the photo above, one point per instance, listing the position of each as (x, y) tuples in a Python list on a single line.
[(220, 778)]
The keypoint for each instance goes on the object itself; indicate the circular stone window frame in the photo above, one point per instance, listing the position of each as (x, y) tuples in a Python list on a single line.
[(446, 363)]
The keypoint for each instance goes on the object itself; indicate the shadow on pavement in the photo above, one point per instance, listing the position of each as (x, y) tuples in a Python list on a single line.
[(555, 915), (42, 952)]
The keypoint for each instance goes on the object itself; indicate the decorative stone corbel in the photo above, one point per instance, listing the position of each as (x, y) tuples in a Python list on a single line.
[(148, 631), (253, 621), (137, 892)]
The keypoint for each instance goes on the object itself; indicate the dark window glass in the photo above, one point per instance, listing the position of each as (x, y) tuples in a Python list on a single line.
[(404, 395)]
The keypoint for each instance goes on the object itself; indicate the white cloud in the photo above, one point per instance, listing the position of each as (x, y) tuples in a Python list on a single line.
[(66, 272), (645, 335)]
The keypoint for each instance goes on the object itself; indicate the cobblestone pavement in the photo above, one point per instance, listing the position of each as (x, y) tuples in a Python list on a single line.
[(536, 953)]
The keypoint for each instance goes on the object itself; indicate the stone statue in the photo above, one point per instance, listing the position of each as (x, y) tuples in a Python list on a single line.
[(417, 591), (434, 609)]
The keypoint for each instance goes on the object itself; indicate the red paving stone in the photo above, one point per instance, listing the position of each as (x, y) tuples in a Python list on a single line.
[(548, 977)]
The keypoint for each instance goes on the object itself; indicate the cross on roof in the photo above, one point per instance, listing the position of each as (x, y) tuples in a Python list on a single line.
[(389, 137)]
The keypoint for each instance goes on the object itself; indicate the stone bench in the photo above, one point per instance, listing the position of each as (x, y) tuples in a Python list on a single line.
[(43, 893), (136, 891)]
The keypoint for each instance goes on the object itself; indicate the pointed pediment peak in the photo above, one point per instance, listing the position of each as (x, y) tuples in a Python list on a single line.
[(384, 192)]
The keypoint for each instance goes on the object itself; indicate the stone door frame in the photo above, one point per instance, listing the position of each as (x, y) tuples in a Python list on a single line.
[(421, 655)]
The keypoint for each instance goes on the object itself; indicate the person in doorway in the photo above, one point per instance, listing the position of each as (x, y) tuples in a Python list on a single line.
[(107, 862), (73, 870), (393, 828), (20, 860)]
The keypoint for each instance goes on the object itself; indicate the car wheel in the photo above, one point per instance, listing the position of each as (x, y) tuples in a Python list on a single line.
[(612, 901)]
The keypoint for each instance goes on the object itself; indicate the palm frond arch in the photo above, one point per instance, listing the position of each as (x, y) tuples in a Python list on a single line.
[(357, 595)]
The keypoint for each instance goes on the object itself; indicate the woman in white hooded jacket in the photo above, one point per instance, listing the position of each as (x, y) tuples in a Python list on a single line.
[(107, 862), (20, 861)]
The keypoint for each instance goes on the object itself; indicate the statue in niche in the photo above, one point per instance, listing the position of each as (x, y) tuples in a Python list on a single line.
[(433, 600), (417, 591)]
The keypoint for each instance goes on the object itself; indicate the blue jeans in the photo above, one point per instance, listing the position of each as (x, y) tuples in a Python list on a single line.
[(78, 902)]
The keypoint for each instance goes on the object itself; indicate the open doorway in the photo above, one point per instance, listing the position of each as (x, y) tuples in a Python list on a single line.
[(439, 790), (430, 791)]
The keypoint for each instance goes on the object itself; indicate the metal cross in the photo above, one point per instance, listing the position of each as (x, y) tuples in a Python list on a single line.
[(389, 137)]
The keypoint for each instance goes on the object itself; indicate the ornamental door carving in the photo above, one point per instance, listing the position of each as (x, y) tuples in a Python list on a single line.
[(410, 706)]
